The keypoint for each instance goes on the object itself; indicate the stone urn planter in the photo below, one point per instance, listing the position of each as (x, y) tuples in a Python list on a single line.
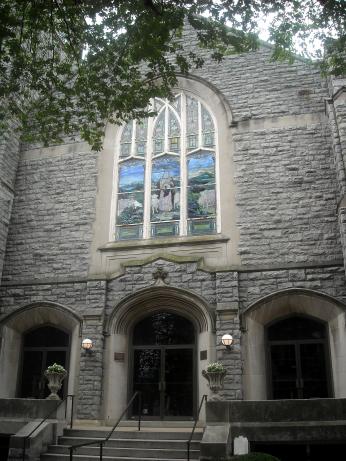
[(55, 375), (215, 375)]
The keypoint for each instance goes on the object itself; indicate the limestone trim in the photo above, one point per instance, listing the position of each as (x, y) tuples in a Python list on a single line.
[(290, 298), (174, 241), (181, 85), (63, 314), (157, 299), (277, 306)]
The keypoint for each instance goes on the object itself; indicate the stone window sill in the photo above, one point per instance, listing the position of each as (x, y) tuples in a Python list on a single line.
[(160, 242)]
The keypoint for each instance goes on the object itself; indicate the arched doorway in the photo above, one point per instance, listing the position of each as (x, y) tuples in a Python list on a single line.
[(163, 366), (298, 359), (42, 347)]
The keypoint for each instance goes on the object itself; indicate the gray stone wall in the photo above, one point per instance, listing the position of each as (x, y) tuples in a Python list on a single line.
[(53, 213), (286, 195), (254, 285), (9, 155)]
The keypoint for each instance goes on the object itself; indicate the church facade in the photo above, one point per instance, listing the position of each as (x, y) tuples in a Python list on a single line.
[(223, 214)]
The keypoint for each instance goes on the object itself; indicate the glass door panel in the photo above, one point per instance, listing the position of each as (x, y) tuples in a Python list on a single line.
[(33, 381), (178, 383), (147, 379), (313, 370), (284, 371)]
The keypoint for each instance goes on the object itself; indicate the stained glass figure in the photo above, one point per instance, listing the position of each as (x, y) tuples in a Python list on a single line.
[(207, 128), (141, 137), (159, 133), (191, 123), (173, 132), (163, 155), (165, 189), (126, 139)]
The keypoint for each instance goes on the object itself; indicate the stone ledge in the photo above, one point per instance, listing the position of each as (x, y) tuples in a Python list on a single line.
[(172, 241)]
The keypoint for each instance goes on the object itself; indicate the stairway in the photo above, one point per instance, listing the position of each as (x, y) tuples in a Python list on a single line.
[(127, 445)]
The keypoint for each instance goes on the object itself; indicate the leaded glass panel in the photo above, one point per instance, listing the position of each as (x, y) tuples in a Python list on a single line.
[(159, 134), (173, 132), (141, 137), (207, 128), (159, 143), (126, 140), (201, 194), (130, 203), (165, 189)]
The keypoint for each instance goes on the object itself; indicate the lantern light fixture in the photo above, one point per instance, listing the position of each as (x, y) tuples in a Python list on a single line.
[(87, 345), (227, 341)]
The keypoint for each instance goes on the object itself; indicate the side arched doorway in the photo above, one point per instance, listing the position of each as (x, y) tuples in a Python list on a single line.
[(42, 347), (163, 366), (298, 359)]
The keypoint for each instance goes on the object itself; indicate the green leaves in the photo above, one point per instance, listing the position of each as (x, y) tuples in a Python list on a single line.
[(68, 67)]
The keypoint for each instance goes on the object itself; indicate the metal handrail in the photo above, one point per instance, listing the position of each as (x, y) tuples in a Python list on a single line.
[(103, 441), (205, 397), (45, 419)]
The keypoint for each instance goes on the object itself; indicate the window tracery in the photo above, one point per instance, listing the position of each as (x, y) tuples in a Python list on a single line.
[(166, 173)]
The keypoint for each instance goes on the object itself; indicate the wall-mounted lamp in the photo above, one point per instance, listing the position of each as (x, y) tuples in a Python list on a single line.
[(87, 345), (227, 341)]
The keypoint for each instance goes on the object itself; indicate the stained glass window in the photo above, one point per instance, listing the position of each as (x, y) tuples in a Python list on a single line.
[(166, 174)]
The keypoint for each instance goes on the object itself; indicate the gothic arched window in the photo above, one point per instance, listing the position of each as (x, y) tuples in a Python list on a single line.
[(166, 173)]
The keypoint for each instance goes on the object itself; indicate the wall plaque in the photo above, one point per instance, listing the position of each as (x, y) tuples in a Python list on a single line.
[(119, 356), (203, 355)]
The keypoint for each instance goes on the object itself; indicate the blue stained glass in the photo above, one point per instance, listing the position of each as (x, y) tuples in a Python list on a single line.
[(165, 197), (201, 197), (201, 168), (131, 176), (141, 130)]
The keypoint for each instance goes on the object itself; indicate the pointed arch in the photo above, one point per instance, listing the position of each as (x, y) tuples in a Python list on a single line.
[(154, 299), (37, 313), (293, 300)]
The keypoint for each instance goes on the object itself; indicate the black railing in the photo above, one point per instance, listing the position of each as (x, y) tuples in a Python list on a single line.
[(205, 397), (49, 414), (102, 442)]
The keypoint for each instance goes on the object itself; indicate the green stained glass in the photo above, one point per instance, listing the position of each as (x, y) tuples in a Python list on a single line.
[(129, 232), (202, 226)]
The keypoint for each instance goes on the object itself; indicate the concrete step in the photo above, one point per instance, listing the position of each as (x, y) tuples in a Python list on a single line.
[(143, 434), (65, 457), (125, 442), (128, 452)]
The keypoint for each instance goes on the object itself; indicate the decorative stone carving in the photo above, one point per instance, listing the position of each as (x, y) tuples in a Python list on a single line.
[(215, 382), (54, 383), (160, 275)]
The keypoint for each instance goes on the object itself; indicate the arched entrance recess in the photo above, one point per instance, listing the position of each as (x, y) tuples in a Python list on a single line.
[(163, 366), (24, 331), (298, 358), (42, 346), (258, 318), (164, 328)]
